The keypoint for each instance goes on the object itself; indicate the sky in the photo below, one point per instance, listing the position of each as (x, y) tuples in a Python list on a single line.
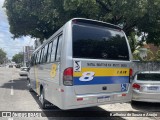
[(9, 45)]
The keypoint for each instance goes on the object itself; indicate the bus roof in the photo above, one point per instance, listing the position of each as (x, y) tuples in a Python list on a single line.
[(82, 20), (96, 22)]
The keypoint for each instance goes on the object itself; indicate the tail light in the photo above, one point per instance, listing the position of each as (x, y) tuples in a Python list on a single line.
[(130, 72), (74, 21), (136, 86), (68, 77)]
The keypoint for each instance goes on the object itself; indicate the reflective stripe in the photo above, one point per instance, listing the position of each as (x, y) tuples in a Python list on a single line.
[(104, 72), (103, 80)]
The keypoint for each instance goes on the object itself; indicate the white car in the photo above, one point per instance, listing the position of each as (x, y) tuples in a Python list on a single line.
[(24, 71), (146, 86)]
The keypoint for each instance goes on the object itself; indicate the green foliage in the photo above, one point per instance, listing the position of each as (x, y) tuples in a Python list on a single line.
[(41, 18), (133, 41), (17, 58), (2, 56)]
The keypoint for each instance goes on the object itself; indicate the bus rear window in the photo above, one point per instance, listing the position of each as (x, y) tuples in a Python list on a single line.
[(148, 77), (92, 42)]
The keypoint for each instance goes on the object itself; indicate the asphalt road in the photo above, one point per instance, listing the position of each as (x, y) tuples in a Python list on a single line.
[(15, 97)]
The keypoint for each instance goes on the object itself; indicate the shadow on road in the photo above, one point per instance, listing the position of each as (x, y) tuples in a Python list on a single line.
[(19, 84), (94, 113), (146, 106)]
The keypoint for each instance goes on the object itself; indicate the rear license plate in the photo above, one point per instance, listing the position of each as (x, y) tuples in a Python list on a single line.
[(103, 99), (155, 88)]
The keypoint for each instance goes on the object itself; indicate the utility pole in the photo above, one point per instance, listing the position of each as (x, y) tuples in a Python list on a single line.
[(24, 62)]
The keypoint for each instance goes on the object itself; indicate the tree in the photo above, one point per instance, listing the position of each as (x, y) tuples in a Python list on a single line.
[(36, 18), (137, 17), (41, 18), (17, 58), (2, 56)]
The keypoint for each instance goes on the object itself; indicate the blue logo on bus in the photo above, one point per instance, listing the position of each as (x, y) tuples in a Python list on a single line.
[(123, 87)]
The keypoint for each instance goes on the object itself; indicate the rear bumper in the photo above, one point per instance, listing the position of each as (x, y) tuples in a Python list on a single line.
[(145, 97), (92, 100), (93, 104), (23, 73)]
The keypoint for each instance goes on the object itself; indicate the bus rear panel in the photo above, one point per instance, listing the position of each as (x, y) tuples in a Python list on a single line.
[(99, 71)]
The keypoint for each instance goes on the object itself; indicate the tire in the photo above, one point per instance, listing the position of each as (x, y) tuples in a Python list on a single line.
[(31, 90), (44, 103)]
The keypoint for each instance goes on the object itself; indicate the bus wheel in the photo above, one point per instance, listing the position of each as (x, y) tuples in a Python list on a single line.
[(42, 100)]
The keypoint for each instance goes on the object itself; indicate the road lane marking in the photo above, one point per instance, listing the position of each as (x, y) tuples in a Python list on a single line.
[(12, 92)]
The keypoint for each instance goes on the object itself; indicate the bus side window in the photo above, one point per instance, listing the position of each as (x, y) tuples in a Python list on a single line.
[(49, 52), (31, 61), (38, 56), (58, 55), (41, 59), (45, 53), (35, 55), (53, 50)]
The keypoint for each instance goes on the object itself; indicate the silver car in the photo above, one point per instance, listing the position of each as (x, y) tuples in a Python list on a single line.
[(24, 71), (146, 86)]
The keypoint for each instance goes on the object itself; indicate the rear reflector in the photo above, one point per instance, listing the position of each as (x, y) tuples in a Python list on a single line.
[(60, 90), (68, 77), (136, 86), (79, 99)]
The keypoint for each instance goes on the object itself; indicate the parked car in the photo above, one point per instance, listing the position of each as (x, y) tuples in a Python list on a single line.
[(146, 86), (10, 66), (17, 66), (24, 71)]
